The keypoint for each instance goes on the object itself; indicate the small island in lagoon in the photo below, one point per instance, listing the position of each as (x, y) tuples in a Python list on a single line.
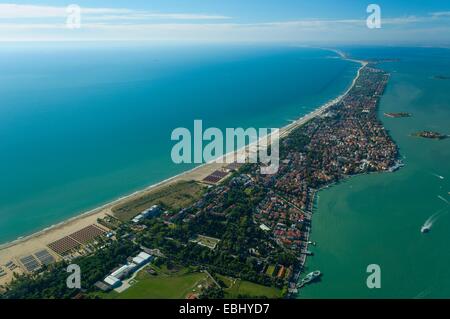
[(441, 77), (430, 134), (397, 114)]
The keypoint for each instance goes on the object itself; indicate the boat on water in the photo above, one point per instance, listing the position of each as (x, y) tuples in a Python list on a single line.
[(396, 166), (310, 277), (425, 228)]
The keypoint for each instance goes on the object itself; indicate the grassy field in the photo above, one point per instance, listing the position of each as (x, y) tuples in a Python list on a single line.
[(236, 287), (270, 270), (173, 197), (176, 284), (154, 287)]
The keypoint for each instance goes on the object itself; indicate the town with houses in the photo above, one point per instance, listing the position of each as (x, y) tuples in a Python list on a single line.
[(235, 226)]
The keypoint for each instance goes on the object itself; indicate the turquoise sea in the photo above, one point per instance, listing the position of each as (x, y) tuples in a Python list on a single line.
[(82, 124), (376, 219)]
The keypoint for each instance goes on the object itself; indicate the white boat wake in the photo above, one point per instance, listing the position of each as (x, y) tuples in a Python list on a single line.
[(443, 199), (432, 219), (438, 176), (423, 294)]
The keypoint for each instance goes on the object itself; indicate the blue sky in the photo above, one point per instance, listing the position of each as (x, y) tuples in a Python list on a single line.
[(417, 22)]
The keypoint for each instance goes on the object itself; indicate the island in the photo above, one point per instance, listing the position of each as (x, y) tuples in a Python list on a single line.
[(397, 114), (430, 135), (441, 77)]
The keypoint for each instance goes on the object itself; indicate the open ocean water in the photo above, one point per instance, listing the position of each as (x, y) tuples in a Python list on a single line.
[(83, 124), (376, 219)]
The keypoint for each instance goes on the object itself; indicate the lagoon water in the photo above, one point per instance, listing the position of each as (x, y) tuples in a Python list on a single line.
[(376, 219), (81, 125)]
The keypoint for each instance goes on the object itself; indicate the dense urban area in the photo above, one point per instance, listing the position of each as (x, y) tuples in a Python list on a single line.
[(236, 234)]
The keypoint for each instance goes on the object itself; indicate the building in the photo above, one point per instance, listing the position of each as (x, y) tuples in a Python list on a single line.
[(113, 282), (142, 259), (102, 286), (114, 279), (123, 271), (151, 212)]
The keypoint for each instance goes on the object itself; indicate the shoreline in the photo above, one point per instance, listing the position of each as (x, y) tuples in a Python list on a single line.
[(103, 207), (40, 239), (315, 198)]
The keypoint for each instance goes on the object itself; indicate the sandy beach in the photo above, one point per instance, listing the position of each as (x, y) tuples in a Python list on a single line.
[(37, 241), (16, 249)]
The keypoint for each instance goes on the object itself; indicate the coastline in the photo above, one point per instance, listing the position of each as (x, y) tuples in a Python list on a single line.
[(358, 220), (38, 240), (315, 197)]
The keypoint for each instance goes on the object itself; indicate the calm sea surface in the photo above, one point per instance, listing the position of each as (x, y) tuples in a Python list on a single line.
[(376, 219), (80, 126)]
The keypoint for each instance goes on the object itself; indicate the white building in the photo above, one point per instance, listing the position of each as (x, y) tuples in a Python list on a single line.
[(123, 271), (145, 256), (112, 281), (138, 261), (142, 259), (151, 212)]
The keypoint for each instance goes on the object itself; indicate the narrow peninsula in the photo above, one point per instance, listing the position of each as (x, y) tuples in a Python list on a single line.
[(235, 232)]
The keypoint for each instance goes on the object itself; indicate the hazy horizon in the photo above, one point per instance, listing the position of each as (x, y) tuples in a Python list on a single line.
[(266, 21)]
